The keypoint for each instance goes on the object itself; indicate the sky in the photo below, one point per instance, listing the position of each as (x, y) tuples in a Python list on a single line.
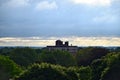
[(84, 21)]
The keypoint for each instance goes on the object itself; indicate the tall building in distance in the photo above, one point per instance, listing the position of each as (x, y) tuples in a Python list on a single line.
[(59, 45)]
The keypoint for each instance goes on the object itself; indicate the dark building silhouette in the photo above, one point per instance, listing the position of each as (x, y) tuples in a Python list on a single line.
[(59, 43), (66, 43), (64, 47)]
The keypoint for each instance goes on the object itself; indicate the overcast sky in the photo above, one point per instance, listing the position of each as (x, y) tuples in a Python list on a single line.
[(41, 22), (26, 18)]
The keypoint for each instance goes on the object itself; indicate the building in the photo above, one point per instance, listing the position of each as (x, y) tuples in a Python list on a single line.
[(63, 47)]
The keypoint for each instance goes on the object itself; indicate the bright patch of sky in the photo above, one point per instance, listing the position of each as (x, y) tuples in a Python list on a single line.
[(45, 41), (93, 2), (45, 5), (28, 18), (15, 3)]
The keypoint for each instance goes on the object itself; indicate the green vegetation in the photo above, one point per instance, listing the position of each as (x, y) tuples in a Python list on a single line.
[(112, 71), (107, 68), (91, 63), (8, 69), (85, 56), (47, 71), (24, 56), (58, 57), (44, 72)]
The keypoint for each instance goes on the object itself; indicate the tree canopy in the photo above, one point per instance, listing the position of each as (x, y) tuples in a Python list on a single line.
[(58, 57), (85, 56), (93, 63), (8, 68), (107, 68), (47, 71), (24, 56)]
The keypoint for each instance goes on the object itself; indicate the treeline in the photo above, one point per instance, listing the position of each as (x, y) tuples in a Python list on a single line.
[(91, 63)]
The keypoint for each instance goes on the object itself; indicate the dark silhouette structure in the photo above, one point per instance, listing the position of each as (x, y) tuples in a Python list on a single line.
[(60, 43), (64, 47)]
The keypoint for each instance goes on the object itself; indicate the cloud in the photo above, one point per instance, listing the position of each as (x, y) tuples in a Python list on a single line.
[(105, 18), (45, 5), (25, 41), (44, 41), (93, 2), (16, 3)]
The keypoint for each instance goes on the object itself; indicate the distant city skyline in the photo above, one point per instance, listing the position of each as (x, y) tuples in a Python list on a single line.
[(60, 18)]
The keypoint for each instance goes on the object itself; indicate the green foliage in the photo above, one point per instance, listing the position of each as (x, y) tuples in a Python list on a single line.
[(24, 56), (112, 72), (117, 49), (85, 56), (85, 73), (97, 67), (72, 73), (44, 72), (47, 71), (107, 68), (58, 57), (8, 69), (5, 50), (103, 65)]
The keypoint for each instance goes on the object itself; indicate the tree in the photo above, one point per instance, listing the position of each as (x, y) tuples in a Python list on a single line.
[(47, 71), (5, 50), (24, 56), (85, 56), (8, 69), (97, 67), (72, 73), (85, 73), (44, 71), (107, 68), (58, 57), (112, 71)]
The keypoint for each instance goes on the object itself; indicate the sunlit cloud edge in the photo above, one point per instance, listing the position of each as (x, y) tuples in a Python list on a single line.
[(44, 41)]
